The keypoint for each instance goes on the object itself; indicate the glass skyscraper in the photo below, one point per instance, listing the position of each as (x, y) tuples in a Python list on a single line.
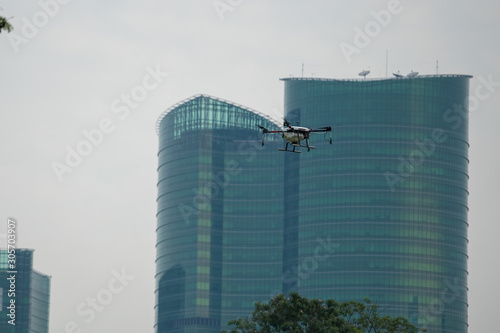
[(29, 291), (389, 197), (381, 213), (220, 215)]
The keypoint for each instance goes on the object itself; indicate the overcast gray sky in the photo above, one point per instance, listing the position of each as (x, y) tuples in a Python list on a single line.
[(71, 67)]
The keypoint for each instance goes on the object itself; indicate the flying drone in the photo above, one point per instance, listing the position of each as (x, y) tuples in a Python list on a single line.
[(294, 135)]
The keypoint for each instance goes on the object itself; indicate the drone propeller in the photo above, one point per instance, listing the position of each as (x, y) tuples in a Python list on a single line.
[(323, 129), (329, 129), (264, 130)]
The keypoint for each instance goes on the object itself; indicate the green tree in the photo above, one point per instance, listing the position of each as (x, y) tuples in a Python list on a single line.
[(4, 24), (297, 314)]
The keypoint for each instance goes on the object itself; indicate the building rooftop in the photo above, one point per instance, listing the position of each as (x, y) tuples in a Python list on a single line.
[(403, 77), (164, 114)]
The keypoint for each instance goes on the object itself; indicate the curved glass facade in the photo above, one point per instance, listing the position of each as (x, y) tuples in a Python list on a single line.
[(220, 215), (387, 202)]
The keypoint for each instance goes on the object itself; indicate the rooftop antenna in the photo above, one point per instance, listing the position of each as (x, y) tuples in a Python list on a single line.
[(364, 74), (412, 74), (386, 61), (302, 68), (397, 75), (437, 66)]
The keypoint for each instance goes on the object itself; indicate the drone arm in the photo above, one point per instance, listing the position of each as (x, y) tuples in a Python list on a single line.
[(264, 130), (322, 129)]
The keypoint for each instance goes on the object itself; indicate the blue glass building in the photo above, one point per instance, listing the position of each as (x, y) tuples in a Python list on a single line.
[(381, 213), (29, 291), (389, 197), (220, 215)]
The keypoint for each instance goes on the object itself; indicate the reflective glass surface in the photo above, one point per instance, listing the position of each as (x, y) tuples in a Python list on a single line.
[(220, 215), (381, 213)]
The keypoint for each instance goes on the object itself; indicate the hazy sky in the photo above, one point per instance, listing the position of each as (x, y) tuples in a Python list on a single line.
[(74, 72)]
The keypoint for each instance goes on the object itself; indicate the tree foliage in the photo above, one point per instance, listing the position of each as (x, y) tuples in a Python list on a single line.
[(297, 314), (4, 24)]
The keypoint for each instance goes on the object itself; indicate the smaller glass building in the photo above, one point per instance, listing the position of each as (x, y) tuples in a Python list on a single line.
[(220, 215), (28, 290)]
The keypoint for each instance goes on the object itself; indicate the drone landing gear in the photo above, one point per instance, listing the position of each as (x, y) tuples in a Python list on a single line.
[(308, 147), (290, 151)]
